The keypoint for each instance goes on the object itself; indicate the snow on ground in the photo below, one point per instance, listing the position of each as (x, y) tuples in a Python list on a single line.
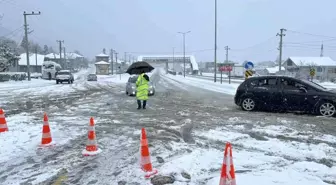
[(328, 85), (212, 75), (266, 161), (204, 84)]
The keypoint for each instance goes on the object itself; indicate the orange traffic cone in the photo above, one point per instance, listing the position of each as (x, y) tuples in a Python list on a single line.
[(145, 161), (46, 135), (3, 123), (91, 145), (228, 172)]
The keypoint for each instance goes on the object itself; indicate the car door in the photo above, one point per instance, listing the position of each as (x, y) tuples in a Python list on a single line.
[(294, 94), (266, 92)]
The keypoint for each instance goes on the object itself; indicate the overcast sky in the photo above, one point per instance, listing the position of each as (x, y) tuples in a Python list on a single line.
[(248, 27)]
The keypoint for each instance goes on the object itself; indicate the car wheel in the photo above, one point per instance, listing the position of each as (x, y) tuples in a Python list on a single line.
[(57, 82), (327, 109), (248, 104), (126, 93)]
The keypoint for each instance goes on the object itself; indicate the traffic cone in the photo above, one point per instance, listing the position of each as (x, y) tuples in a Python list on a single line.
[(46, 135), (3, 123), (228, 172), (145, 161), (91, 145)]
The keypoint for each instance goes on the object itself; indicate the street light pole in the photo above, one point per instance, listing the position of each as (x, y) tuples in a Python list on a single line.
[(215, 54), (184, 33)]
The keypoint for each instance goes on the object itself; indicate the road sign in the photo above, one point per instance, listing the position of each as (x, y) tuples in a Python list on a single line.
[(312, 72), (248, 73), (248, 65), (225, 68)]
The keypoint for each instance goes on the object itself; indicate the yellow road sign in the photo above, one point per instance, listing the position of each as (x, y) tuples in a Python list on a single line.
[(248, 73)]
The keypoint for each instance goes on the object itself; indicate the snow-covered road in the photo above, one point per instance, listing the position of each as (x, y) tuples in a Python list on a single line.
[(187, 123)]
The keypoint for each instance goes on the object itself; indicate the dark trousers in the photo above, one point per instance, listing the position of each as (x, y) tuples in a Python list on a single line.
[(144, 104)]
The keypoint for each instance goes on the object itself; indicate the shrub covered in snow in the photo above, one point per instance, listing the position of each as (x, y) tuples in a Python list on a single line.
[(16, 76)]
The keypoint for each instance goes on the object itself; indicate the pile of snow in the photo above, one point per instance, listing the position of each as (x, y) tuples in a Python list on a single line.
[(119, 78), (328, 85), (204, 84)]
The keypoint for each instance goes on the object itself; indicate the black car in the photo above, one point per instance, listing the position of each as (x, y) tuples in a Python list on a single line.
[(284, 93)]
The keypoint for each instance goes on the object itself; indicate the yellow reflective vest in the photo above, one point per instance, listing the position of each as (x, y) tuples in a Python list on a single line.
[(142, 88)]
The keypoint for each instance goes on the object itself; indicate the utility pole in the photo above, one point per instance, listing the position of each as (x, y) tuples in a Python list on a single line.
[(60, 48), (111, 53), (184, 33), (125, 57), (227, 53), (215, 53), (321, 55), (36, 57), (64, 56), (26, 39), (116, 56), (174, 59), (281, 34)]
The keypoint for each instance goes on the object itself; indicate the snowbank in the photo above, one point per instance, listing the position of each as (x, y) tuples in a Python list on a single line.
[(204, 84)]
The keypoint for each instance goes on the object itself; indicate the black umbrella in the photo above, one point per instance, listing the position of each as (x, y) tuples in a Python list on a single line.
[(139, 67)]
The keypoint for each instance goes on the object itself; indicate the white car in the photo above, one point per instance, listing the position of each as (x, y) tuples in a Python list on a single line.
[(64, 76)]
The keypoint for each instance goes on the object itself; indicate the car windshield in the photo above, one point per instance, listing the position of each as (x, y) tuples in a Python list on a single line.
[(133, 79), (63, 73), (315, 85)]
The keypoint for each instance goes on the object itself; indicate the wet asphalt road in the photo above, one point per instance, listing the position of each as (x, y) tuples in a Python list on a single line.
[(173, 114)]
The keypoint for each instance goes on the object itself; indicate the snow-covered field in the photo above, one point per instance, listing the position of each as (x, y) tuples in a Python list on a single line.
[(188, 122)]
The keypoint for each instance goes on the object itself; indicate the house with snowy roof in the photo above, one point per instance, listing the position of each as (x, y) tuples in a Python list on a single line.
[(325, 67), (35, 63)]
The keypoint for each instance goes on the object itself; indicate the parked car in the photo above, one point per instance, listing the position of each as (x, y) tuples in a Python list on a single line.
[(92, 77), (64, 76), (285, 94), (131, 87)]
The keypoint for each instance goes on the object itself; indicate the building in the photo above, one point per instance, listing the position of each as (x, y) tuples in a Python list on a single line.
[(102, 57), (102, 68), (269, 70), (325, 67), (35, 62), (72, 60), (191, 64)]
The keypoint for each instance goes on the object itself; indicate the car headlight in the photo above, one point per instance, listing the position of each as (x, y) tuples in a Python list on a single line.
[(151, 87)]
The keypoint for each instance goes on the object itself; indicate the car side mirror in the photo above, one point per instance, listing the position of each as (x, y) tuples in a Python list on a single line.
[(303, 90)]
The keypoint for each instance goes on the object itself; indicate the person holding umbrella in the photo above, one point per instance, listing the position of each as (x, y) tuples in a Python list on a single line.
[(142, 89), (142, 82)]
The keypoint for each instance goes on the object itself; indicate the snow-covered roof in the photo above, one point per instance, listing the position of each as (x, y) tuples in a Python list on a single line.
[(102, 62), (52, 55), (274, 70), (313, 61), (72, 55), (69, 55), (47, 63), (191, 58), (32, 59), (102, 55)]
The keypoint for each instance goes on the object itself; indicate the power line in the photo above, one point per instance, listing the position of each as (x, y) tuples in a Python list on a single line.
[(12, 32), (316, 35), (255, 45)]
